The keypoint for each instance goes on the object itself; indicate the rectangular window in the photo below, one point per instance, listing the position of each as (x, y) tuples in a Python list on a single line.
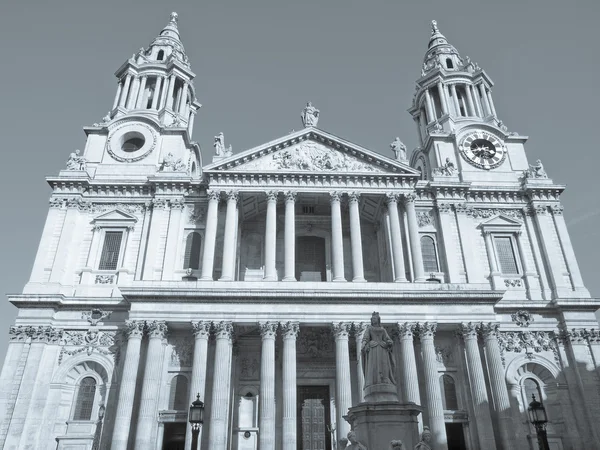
[(308, 209), (506, 254), (110, 250)]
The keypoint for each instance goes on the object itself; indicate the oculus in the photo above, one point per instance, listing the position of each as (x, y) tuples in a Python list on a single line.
[(131, 142), (483, 150)]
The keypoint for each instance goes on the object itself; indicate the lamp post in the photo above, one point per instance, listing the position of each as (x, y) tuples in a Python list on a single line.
[(539, 419), (196, 418)]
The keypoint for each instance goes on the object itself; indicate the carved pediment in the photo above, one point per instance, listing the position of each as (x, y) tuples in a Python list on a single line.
[(501, 223), (115, 217), (313, 151)]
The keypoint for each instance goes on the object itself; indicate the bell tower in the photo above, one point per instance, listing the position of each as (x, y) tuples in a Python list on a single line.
[(149, 127), (460, 135)]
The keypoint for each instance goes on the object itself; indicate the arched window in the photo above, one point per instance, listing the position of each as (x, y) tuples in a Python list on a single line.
[(85, 399), (449, 64), (191, 259), (178, 398), (449, 390), (531, 387), (430, 262), (161, 55)]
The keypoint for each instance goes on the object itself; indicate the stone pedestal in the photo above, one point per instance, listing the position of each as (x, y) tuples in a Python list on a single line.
[(376, 424)]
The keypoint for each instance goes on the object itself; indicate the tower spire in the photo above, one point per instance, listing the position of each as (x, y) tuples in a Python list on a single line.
[(440, 53)]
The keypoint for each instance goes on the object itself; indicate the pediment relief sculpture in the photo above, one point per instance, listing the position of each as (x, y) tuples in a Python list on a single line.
[(310, 156)]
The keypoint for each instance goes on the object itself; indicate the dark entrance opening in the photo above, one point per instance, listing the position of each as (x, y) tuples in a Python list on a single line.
[(310, 258), (313, 418), (456, 436), (174, 437)]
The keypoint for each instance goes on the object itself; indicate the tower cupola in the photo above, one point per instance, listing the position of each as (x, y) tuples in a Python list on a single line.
[(451, 92), (157, 82)]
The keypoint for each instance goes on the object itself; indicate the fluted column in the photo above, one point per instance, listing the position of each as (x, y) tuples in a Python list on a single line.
[(498, 384), (343, 387), (168, 103), (484, 99), (290, 237), (156, 94), (201, 332), (134, 331), (210, 235), (337, 240), (359, 332), (470, 101), (118, 94), (218, 430), (266, 436), (125, 91), (290, 332), (271, 237), (442, 94), (229, 237), (141, 91), (147, 417), (396, 235), (413, 232), (132, 97), (184, 96), (455, 99), (358, 272), (491, 102), (481, 403), (410, 379), (430, 108), (433, 391), (474, 96)]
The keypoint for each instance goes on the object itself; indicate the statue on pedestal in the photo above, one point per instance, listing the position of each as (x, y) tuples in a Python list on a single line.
[(219, 144), (536, 170), (310, 115), (399, 149), (378, 359), (76, 162), (423, 444)]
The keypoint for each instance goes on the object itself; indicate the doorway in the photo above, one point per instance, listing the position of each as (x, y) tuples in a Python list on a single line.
[(313, 418), (174, 437), (310, 258), (456, 436)]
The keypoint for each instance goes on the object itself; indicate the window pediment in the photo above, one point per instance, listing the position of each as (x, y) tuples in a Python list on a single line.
[(501, 224), (114, 218)]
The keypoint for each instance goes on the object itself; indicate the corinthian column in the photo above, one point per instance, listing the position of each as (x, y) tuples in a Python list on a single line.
[(410, 380), (290, 333), (485, 431), (433, 392), (337, 240), (201, 332), (147, 417), (290, 237), (134, 330), (343, 388), (498, 384), (210, 235), (229, 237), (268, 331), (271, 237), (413, 232), (397, 254), (358, 274), (359, 331), (219, 414)]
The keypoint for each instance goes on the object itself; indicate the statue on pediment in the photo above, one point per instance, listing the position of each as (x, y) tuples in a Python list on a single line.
[(399, 149), (76, 162), (536, 170), (310, 115), (219, 145)]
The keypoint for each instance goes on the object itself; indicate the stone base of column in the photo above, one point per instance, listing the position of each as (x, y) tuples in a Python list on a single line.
[(206, 279), (359, 280), (289, 279), (378, 423), (339, 280), (270, 278)]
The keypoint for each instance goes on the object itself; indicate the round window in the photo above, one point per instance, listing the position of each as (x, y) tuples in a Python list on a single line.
[(132, 142)]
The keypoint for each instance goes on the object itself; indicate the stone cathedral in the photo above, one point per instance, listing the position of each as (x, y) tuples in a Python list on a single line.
[(250, 280)]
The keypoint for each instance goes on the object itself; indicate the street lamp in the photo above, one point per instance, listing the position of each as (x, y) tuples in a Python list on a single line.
[(196, 418), (539, 419)]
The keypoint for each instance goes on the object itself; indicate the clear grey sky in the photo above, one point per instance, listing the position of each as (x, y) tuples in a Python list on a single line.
[(258, 62)]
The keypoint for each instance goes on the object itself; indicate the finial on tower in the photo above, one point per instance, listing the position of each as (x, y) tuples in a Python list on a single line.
[(174, 17), (434, 27)]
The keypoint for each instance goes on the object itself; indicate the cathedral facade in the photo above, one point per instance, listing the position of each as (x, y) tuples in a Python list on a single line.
[(249, 281)]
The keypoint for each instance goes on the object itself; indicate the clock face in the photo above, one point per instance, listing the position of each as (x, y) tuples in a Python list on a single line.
[(482, 150)]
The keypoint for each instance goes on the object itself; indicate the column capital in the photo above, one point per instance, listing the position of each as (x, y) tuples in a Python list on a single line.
[(426, 330), (444, 208), (272, 196), (354, 197), (335, 196), (359, 328), (223, 330), (410, 197), (134, 328), (557, 210), (468, 330), (268, 330), (201, 329), (489, 331), (341, 330), (157, 329), (213, 195), (290, 196), (406, 330), (233, 195), (391, 197), (290, 330)]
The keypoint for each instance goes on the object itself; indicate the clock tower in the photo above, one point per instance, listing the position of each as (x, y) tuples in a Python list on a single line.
[(460, 135)]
